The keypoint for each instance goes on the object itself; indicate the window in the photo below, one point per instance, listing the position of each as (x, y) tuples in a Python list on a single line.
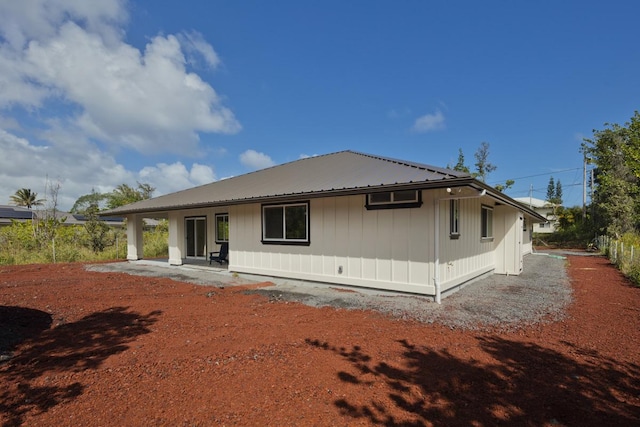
[(487, 222), (454, 218), (222, 228), (285, 224), (394, 199)]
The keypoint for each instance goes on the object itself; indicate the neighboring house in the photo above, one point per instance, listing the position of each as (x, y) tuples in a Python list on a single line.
[(14, 213), (17, 213), (347, 218), (545, 209)]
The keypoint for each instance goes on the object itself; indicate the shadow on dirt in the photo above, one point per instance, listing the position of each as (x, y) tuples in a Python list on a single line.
[(527, 385), (67, 348), (18, 324)]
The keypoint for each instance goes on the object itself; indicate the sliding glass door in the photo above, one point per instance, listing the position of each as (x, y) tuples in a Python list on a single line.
[(196, 237)]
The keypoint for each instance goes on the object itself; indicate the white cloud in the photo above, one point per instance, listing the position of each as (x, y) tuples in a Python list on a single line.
[(67, 158), (109, 97), (429, 122), (28, 20), (145, 100), (80, 168), (167, 178), (195, 45), (254, 160)]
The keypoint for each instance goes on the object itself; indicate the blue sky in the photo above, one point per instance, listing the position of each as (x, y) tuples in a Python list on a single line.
[(178, 94)]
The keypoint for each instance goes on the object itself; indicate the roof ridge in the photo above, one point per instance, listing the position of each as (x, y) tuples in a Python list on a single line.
[(423, 166)]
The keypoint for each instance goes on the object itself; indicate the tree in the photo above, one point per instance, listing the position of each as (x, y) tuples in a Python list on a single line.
[(27, 198), (616, 153), (98, 231), (551, 190), (83, 203), (554, 192), (460, 166), (558, 195), (508, 184), (483, 167), (123, 194)]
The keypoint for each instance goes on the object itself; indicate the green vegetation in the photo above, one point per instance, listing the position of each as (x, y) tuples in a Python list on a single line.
[(122, 195), (482, 164), (47, 239), (615, 151), (572, 230), (26, 198), (625, 254), (615, 208), (28, 243)]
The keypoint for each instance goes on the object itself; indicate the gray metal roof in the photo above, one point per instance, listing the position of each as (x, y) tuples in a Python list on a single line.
[(21, 214), (338, 173), (341, 173)]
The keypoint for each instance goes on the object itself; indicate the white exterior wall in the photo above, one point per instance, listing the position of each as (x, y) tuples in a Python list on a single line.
[(177, 236), (469, 255), (527, 243), (508, 240), (550, 225), (392, 249), (385, 248)]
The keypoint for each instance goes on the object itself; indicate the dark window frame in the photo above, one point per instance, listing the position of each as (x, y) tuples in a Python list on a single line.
[(284, 240), (486, 222), (454, 219), (392, 204), (217, 236)]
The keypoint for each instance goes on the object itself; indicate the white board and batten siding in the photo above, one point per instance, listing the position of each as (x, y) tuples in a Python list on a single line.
[(468, 256), (177, 251), (508, 225), (386, 249)]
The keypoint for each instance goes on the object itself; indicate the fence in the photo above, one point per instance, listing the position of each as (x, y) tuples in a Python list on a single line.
[(617, 251), (624, 254)]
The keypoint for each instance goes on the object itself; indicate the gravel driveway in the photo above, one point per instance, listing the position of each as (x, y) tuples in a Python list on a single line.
[(539, 294)]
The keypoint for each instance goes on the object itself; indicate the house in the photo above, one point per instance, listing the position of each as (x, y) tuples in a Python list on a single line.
[(9, 213), (348, 218), (545, 209)]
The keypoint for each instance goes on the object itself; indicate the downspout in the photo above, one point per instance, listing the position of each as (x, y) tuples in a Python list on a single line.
[(436, 238), (436, 250)]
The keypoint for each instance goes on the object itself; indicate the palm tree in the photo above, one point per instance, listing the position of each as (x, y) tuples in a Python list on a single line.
[(27, 198)]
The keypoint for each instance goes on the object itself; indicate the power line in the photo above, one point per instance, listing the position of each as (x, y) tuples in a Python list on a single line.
[(540, 174)]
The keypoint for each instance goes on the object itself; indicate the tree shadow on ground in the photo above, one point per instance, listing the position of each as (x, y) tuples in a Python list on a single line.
[(18, 324), (526, 384), (67, 348)]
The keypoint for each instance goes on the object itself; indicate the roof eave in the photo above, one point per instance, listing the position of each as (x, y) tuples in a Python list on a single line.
[(498, 195), (444, 183)]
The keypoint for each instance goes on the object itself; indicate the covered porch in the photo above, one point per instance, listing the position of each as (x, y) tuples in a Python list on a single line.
[(193, 236)]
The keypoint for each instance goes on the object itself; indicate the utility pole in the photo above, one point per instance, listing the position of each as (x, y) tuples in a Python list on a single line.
[(584, 188)]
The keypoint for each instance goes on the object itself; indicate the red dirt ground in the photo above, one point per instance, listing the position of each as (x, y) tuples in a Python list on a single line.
[(102, 349)]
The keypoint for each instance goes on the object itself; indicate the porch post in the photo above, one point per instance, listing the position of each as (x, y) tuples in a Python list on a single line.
[(176, 236), (134, 237)]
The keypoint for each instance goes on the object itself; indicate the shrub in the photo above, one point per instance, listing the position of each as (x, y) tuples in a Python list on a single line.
[(21, 243)]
